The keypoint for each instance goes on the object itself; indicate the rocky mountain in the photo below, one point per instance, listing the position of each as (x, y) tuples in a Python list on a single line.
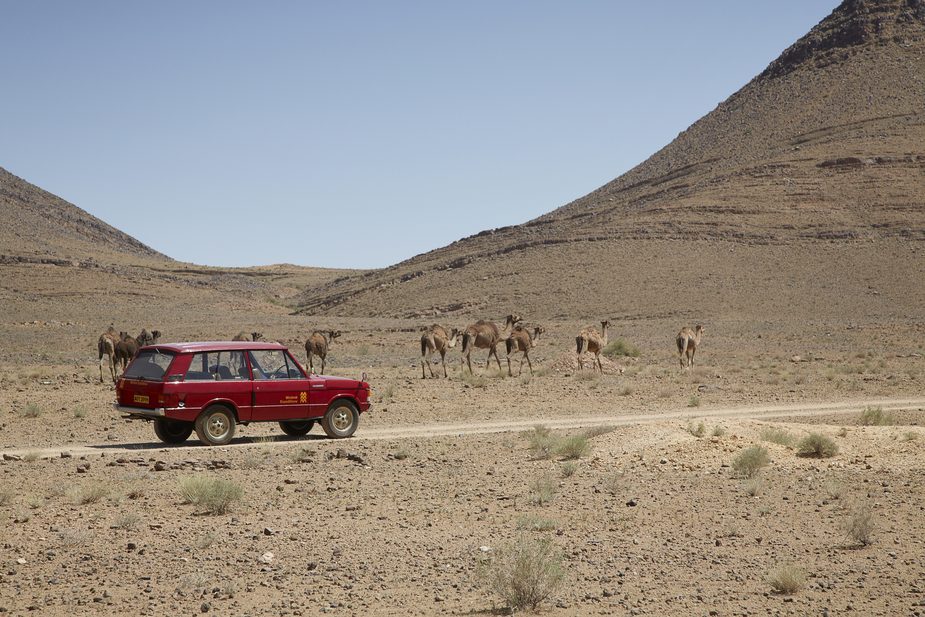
[(40, 226), (818, 160)]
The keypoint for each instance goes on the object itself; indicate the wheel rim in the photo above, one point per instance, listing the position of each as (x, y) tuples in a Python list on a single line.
[(217, 426), (342, 419)]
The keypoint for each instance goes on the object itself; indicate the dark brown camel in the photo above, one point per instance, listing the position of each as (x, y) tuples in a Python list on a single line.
[(521, 341)]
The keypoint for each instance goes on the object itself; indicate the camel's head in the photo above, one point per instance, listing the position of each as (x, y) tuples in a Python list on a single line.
[(698, 329), (256, 336), (605, 324), (537, 332), (455, 334), (333, 334), (513, 320)]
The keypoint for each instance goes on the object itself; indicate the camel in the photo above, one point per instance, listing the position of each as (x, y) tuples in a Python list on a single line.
[(521, 341), (687, 341), (126, 348), (107, 345), (434, 339), (485, 335), (591, 340), (317, 345), (244, 336)]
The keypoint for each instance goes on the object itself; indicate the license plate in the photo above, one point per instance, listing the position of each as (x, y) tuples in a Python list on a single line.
[(142, 398)]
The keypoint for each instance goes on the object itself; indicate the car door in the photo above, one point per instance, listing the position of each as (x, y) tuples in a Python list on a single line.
[(281, 389)]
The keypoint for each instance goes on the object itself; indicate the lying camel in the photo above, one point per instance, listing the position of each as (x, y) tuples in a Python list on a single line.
[(434, 339), (317, 345), (591, 340), (687, 341), (521, 341), (244, 336), (485, 335)]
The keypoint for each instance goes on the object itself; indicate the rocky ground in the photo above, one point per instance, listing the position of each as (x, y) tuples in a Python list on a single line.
[(654, 518)]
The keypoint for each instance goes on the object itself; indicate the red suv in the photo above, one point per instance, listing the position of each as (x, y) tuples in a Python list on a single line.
[(211, 387)]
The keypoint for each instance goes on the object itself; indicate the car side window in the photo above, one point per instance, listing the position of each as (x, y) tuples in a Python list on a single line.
[(217, 366)]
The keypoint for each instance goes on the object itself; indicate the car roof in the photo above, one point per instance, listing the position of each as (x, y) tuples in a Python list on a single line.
[(200, 346)]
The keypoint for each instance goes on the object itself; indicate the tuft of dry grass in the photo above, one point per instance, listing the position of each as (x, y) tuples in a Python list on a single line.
[(751, 460), (524, 572), (787, 579)]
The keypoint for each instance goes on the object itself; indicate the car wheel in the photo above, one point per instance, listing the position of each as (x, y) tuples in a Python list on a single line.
[(297, 428), (172, 431), (215, 426), (341, 419)]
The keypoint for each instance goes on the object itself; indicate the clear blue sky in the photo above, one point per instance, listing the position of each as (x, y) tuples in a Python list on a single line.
[(350, 134)]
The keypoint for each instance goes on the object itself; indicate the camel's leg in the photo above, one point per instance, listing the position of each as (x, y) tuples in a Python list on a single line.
[(530, 364), (322, 365), (493, 350), (509, 373), (682, 350), (443, 362)]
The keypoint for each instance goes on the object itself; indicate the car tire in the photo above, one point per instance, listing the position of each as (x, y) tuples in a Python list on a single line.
[(341, 419), (215, 425), (172, 431), (297, 428)]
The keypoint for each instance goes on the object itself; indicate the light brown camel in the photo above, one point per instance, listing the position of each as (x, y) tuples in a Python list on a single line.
[(521, 341), (244, 336), (107, 345), (485, 335), (591, 340), (317, 345), (436, 339), (687, 341)]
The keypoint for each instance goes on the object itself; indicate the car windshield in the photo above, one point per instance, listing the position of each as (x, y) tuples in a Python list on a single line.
[(150, 365), (274, 364)]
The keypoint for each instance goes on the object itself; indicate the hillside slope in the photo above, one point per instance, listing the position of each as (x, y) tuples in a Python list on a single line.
[(792, 195)]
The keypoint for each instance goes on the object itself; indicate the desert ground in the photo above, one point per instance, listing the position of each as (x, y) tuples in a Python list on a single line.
[(653, 518)]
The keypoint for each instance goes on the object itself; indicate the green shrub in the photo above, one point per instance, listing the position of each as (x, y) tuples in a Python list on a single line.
[(873, 416), (524, 572), (750, 461), (818, 446), (778, 436), (569, 469), (619, 349), (697, 431), (694, 401), (574, 447)]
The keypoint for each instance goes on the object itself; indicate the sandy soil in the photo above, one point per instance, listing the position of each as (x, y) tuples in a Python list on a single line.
[(651, 520)]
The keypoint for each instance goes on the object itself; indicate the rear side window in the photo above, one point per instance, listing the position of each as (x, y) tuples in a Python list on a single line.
[(217, 366), (150, 365)]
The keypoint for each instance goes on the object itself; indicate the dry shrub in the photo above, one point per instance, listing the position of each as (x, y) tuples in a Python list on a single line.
[(860, 527), (542, 491), (787, 579), (524, 572), (778, 436), (69, 538), (873, 416), (84, 495), (543, 444)]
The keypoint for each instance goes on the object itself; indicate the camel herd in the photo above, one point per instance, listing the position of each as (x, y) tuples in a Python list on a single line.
[(121, 348)]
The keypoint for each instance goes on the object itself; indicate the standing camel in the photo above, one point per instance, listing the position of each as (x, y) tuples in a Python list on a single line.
[(317, 345), (126, 349), (107, 345), (485, 335), (521, 341), (687, 341), (591, 340), (434, 339)]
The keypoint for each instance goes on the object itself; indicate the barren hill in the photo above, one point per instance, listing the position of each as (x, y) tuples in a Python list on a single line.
[(802, 193)]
